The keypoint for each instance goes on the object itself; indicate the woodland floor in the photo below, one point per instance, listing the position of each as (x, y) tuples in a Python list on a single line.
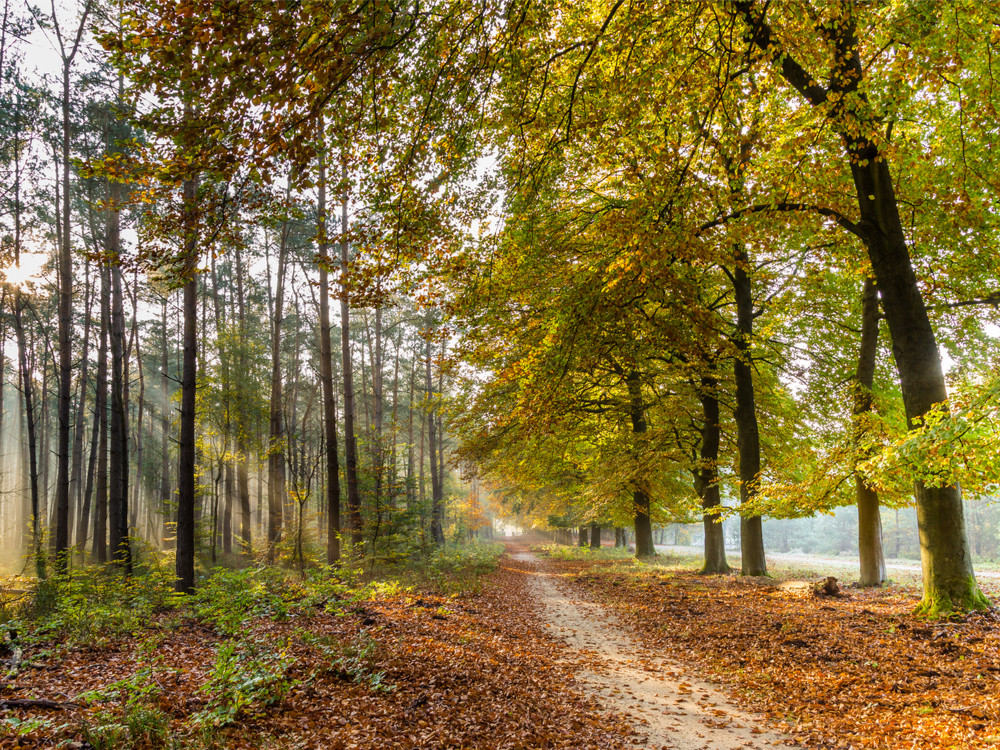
[(854, 671), (549, 653)]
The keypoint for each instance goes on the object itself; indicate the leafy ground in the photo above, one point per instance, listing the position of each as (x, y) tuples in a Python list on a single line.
[(259, 660), (857, 671)]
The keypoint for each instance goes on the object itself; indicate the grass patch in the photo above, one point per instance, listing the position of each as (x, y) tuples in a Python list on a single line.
[(567, 552)]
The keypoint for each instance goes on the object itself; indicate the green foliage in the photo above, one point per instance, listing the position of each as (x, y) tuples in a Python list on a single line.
[(452, 570), (95, 604), (227, 599), (355, 661), (16, 727), (248, 676), (141, 726), (139, 723), (575, 552)]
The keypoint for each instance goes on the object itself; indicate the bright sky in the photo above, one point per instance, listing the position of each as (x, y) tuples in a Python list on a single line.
[(30, 269)]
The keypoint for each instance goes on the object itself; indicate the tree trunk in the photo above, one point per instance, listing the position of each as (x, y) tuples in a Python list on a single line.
[(869, 521), (948, 579), (276, 495), (101, 498), (706, 480), (747, 433), (350, 438), (595, 536), (242, 429), (189, 383), (65, 339), (437, 509), (118, 433), (411, 486), (326, 378), (76, 474), (640, 498), (165, 492), (141, 409)]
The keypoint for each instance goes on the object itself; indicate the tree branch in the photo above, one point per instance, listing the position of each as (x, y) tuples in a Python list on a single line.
[(829, 213)]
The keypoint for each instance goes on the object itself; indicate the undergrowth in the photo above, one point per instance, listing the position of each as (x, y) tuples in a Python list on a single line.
[(251, 672), (574, 552)]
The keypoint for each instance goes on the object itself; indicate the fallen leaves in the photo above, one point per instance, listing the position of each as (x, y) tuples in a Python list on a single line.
[(858, 673), (469, 671)]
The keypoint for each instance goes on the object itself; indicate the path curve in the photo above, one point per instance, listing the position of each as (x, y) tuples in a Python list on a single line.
[(672, 710)]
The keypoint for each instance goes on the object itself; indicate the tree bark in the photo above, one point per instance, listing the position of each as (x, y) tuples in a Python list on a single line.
[(747, 433), (948, 579), (76, 472), (276, 495), (118, 433), (640, 498), (65, 317), (326, 378), (595, 536), (350, 437), (437, 510), (165, 492), (101, 498), (706, 480), (242, 429), (869, 520), (189, 383)]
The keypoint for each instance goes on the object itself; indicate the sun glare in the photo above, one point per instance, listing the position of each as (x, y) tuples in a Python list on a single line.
[(29, 271)]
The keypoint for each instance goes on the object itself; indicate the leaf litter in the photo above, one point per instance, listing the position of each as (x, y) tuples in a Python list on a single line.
[(408, 670), (853, 671)]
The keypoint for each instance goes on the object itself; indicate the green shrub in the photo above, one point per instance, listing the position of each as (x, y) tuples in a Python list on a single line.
[(454, 570), (247, 677), (96, 603), (354, 660), (229, 598), (565, 552)]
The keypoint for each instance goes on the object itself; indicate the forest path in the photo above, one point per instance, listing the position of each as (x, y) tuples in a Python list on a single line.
[(672, 709)]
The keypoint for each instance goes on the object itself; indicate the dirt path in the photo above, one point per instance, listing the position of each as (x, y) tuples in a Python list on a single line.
[(671, 710)]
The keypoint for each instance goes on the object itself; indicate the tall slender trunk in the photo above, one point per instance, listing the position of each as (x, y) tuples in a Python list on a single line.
[(165, 492), (869, 520), (326, 378), (276, 440), (134, 344), (437, 509), (440, 455), (411, 487), (65, 340), (242, 429), (640, 497), (99, 396), (29, 410), (392, 474), (101, 500), (706, 479), (76, 475), (350, 437), (378, 452), (227, 431), (186, 448), (118, 433), (747, 433)]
